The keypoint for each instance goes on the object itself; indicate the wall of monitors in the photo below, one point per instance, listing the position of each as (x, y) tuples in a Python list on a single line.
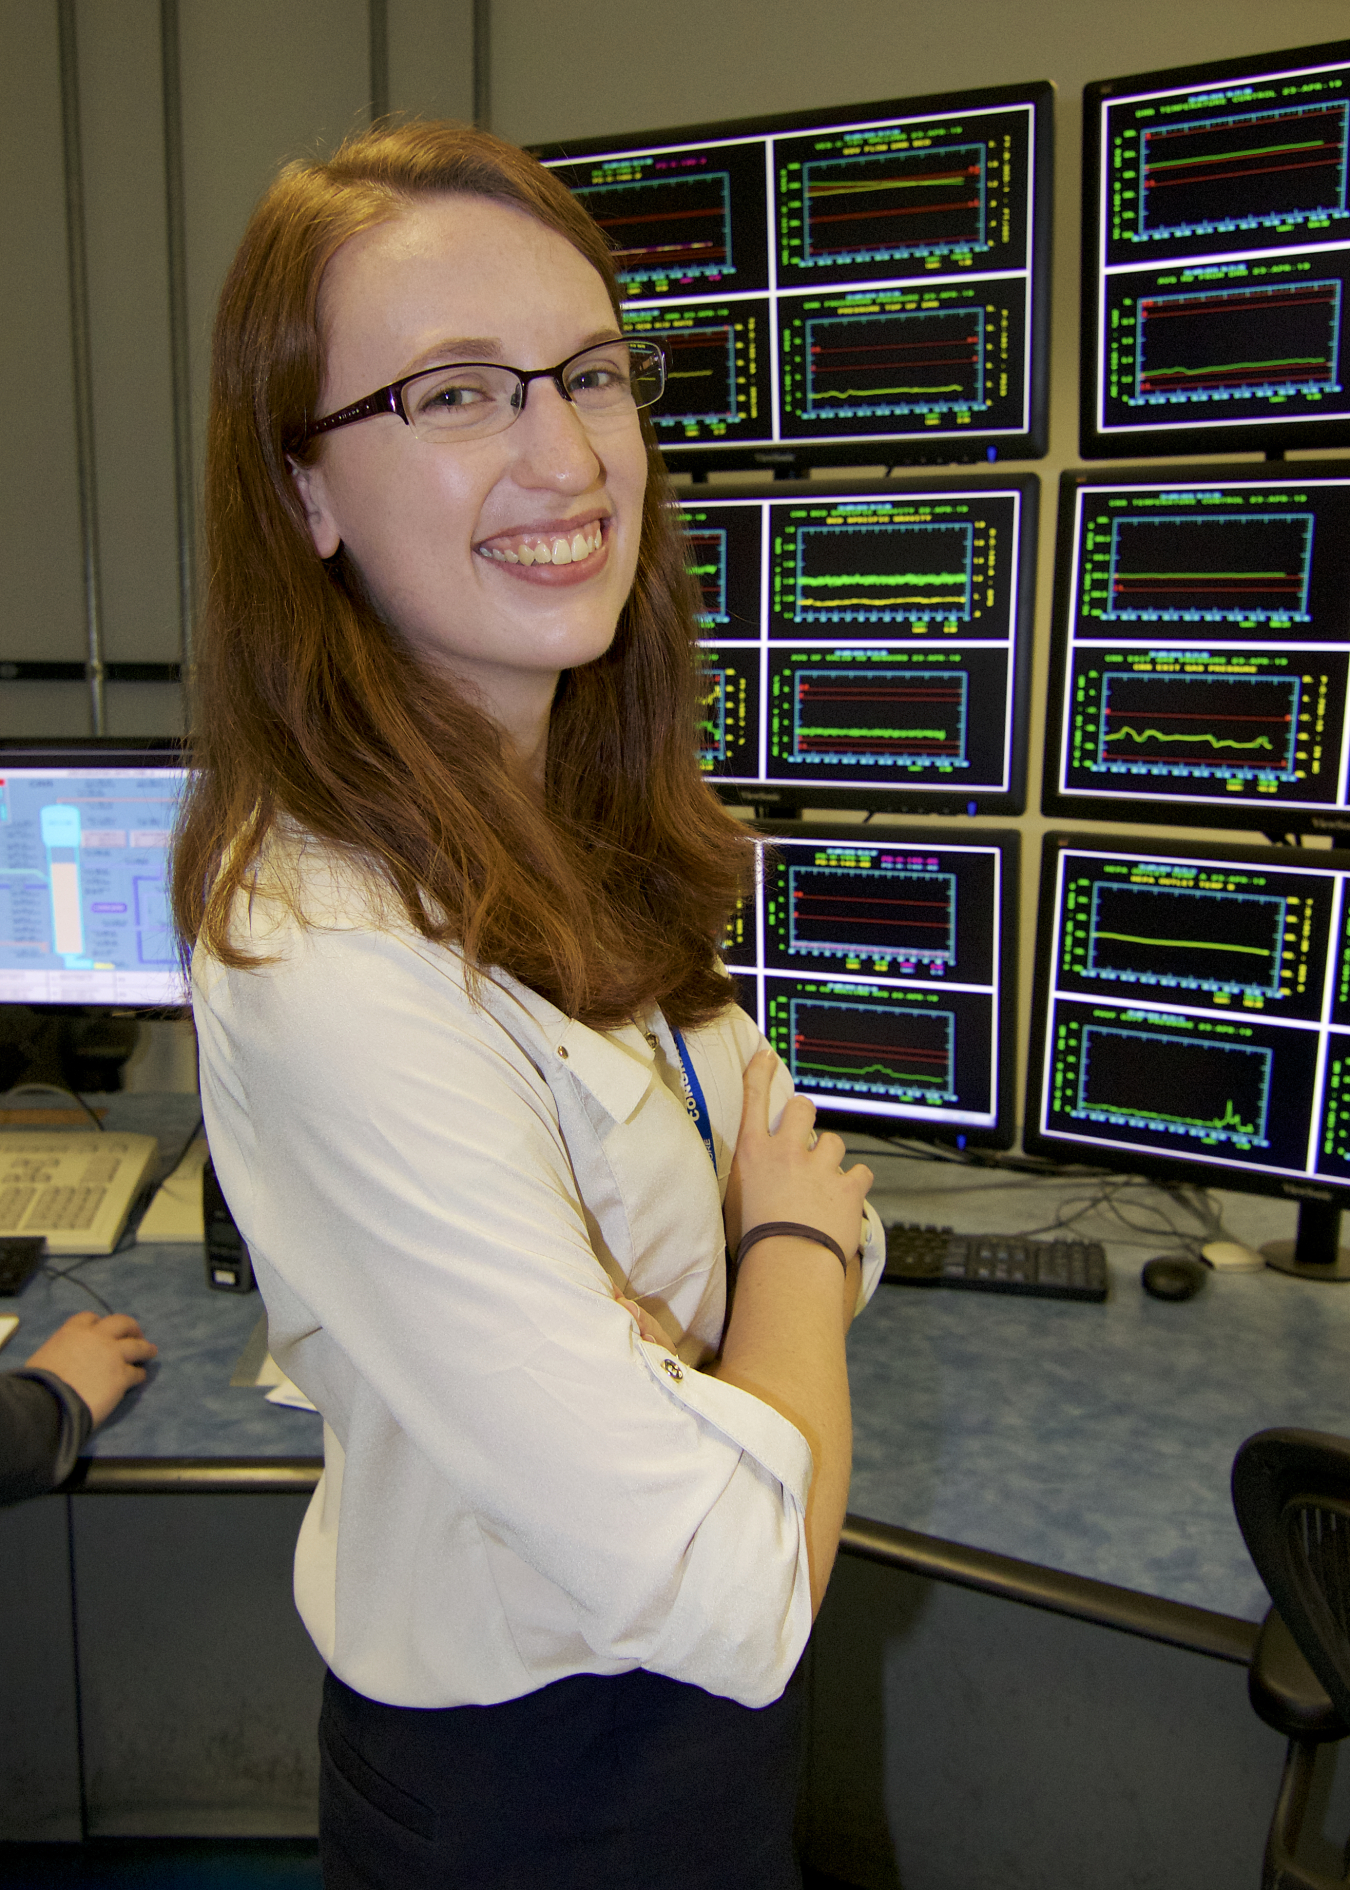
[(882, 968), (1216, 257), (838, 288), (1200, 648), (867, 644)]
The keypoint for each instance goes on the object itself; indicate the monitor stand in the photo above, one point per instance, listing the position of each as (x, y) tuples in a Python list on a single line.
[(1317, 1253)]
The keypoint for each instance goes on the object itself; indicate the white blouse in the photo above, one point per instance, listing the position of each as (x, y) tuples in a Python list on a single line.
[(441, 1198)]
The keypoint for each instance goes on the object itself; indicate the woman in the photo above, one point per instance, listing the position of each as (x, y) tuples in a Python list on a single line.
[(455, 889)]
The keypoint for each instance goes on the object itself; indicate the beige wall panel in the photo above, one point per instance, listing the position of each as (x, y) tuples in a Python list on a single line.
[(431, 57), (33, 711), (261, 83), (151, 708), (41, 602), (122, 127)]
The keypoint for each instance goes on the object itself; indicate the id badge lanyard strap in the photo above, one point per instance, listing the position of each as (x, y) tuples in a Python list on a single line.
[(693, 1098)]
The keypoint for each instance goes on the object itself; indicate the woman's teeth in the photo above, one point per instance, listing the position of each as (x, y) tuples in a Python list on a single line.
[(549, 550)]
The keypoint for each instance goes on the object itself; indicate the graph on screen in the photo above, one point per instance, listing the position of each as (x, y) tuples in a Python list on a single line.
[(874, 634), (1217, 245), (875, 273), (1192, 1004), (1200, 648), (880, 970)]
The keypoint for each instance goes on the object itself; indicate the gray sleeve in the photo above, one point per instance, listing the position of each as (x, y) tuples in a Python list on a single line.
[(43, 1424)]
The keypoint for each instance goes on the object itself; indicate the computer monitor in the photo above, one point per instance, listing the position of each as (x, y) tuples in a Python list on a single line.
[(881, 964), (1199, 648), (1216, 257), (85, 920), (1191, 1018), (867, 644), (851, 287)]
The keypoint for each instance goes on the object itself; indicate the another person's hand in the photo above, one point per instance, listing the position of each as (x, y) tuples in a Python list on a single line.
[(101, 1359)]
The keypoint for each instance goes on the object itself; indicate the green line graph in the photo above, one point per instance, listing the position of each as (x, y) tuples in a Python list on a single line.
[(1185, 944), (1162, 735)]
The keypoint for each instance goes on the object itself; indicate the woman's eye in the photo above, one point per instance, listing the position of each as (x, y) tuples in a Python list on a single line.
[(452, 394), (600, 374)]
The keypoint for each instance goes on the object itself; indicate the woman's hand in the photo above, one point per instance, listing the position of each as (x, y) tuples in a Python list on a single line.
[(648, 1325), (100, 1358), (791, 1174)]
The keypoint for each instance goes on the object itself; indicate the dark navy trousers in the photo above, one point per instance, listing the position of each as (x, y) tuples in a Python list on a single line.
[(623, 1782)]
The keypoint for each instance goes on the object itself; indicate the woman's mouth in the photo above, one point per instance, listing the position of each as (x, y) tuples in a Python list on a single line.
[(562, 546)]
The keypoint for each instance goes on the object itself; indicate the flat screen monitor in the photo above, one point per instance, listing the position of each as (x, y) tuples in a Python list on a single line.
[(861, 286), (1199, 648), (1216, 257), (881, 965), (1191, 1016), (85, 831), (867, 644)]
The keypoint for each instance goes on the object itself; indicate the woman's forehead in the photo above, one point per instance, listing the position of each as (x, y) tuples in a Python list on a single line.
[(454, 267)]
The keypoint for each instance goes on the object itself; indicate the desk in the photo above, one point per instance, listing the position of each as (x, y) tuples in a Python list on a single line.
[(1091, 1440)]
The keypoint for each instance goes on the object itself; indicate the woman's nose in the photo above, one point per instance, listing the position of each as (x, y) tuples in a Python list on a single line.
[(552, 445)]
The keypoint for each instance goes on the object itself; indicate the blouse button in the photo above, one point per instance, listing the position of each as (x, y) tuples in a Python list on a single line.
[(672, 1368), (562, 1051)]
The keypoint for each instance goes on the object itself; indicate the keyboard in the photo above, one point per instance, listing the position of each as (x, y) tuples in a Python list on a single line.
[(76, 1191), (996, 1263)]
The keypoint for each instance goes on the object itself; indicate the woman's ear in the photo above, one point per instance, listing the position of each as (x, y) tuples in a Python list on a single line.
[(309, 484)]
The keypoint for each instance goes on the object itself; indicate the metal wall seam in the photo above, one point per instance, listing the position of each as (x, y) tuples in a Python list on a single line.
[(379, 59), (482, 64), (175, 213), (81, 368)]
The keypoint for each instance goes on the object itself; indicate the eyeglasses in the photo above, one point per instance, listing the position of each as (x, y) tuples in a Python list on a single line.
[(475, 398)]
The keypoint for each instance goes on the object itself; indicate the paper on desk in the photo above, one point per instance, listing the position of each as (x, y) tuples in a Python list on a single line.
[(175, 1214), (257, 1367), (288, 1394)]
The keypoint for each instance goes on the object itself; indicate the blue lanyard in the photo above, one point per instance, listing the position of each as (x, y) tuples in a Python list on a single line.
[(693, 1099)]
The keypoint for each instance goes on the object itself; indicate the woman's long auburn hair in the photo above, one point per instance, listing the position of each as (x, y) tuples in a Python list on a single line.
[(607, 899)]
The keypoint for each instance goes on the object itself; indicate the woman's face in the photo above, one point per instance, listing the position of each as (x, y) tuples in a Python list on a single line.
[(467, 279)]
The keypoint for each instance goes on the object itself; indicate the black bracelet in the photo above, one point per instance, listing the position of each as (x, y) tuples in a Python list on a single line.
[(796, 1231)]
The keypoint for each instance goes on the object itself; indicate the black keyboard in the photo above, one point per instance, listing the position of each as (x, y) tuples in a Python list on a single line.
[(996, 1263), (20, 1257)]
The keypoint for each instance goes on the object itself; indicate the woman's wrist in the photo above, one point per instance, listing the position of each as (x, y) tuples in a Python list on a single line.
[(789, 1230)]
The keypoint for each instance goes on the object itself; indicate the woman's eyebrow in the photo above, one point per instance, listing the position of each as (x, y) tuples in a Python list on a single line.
[(459, 348), (484, 348)]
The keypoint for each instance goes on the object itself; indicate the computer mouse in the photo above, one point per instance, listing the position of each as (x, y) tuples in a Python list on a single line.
[(1230, 1256), (1173, 1276)]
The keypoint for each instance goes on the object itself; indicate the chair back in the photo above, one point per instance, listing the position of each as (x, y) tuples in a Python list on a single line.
[(1291, 1492)]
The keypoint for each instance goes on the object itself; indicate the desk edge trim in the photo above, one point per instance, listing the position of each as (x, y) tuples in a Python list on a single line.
[(1175, 1623)]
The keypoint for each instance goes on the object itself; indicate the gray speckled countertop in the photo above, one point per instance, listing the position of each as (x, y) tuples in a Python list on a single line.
[(1093, 1439), (187, 1406)]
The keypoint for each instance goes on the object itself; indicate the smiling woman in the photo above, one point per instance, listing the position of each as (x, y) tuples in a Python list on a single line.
[(475, 1083)]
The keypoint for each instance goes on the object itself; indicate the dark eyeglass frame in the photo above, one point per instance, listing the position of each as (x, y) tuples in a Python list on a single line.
[(390, 399)]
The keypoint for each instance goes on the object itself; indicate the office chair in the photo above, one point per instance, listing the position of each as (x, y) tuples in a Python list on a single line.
[(1291, 1492)]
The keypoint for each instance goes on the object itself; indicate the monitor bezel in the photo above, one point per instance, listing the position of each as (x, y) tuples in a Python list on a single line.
[(1032, 442), (1007, 841), (774, 799), (1270, 437), (103, 752), (1058, 804), (1154, 1164)]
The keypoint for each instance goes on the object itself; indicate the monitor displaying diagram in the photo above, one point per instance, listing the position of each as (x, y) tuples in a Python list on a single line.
[(84, 900)]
